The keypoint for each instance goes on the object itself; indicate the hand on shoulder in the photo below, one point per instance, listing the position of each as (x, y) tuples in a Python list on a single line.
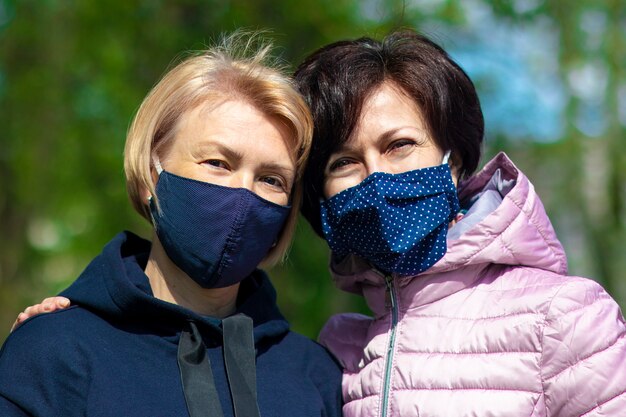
[(47, 305)]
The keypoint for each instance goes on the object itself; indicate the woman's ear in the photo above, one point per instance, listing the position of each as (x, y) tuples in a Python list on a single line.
[(145, 191), (145, 195)]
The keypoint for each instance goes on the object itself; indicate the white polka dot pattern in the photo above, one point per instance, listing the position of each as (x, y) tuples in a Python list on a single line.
[(397, 222)]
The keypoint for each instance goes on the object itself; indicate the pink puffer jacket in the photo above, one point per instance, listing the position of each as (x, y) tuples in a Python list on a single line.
[(495, 328)]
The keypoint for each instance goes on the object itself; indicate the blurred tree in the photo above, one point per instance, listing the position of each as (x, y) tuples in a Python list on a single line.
[(72, 74), (583, 174)]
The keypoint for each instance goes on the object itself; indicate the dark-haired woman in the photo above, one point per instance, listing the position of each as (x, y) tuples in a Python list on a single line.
[(474, 314)]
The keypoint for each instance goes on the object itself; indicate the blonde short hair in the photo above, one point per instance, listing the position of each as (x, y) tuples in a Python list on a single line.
[(239, 66)]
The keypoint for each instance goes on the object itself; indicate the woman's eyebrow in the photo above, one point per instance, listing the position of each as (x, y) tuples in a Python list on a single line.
[(389, 134), (285, 170), (217, 146), (393, 132), (235, 155), (351, 144)]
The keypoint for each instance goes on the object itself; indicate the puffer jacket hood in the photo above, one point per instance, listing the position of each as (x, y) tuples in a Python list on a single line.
[(494, 328), (517, 232)]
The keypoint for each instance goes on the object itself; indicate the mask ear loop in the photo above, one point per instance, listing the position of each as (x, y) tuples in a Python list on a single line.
[(446, 157), (159, 168)]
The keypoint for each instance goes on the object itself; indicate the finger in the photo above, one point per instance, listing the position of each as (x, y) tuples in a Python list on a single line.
[(55, 303), (31, 310), (34, 310), (62, 302), (49, 304), (49, 300), (20, 318)]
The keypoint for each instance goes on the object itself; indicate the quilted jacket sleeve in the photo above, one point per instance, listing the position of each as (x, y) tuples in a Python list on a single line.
[(584, 353)]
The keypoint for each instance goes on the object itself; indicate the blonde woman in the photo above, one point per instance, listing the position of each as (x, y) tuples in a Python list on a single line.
[(187, 324)]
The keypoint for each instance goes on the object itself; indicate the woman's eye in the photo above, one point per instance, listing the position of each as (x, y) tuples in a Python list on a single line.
[(400, 144), (216, 163), (274, 182), (339, 163)]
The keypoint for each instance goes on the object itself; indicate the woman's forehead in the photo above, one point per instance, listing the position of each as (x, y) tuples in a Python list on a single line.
[(235, 125)]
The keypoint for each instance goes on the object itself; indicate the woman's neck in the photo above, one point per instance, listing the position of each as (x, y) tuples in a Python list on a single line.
[(169, 283)]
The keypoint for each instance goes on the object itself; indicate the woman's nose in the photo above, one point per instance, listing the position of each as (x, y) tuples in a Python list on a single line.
[(375, 164), (242, 180)]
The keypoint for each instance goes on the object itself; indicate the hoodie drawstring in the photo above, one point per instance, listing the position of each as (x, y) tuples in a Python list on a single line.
[(240, 359), (201, 395), (196, 375)]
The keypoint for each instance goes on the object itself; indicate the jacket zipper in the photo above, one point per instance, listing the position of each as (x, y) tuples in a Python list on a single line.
[(390, 302)]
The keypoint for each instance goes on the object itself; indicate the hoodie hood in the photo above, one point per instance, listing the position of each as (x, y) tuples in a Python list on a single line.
[(115, 286), (510, 227)]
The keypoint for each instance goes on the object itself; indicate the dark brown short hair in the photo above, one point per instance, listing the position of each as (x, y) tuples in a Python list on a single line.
[(337, 79)]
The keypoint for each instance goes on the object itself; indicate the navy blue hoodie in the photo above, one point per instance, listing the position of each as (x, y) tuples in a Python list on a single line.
[(114, 353)]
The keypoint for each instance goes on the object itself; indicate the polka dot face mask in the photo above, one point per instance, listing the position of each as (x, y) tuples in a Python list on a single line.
[(397, 222)]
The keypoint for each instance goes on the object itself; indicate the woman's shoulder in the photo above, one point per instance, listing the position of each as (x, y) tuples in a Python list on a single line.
[(565, 302), (42, 358), (538, 282), (578, 293), (51, 333), (513, 290)]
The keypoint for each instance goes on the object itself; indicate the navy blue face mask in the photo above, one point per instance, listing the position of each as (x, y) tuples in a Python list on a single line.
[(396, 222), (217, 235)]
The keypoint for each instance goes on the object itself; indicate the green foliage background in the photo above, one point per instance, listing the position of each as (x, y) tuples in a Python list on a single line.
[(72, 73)]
